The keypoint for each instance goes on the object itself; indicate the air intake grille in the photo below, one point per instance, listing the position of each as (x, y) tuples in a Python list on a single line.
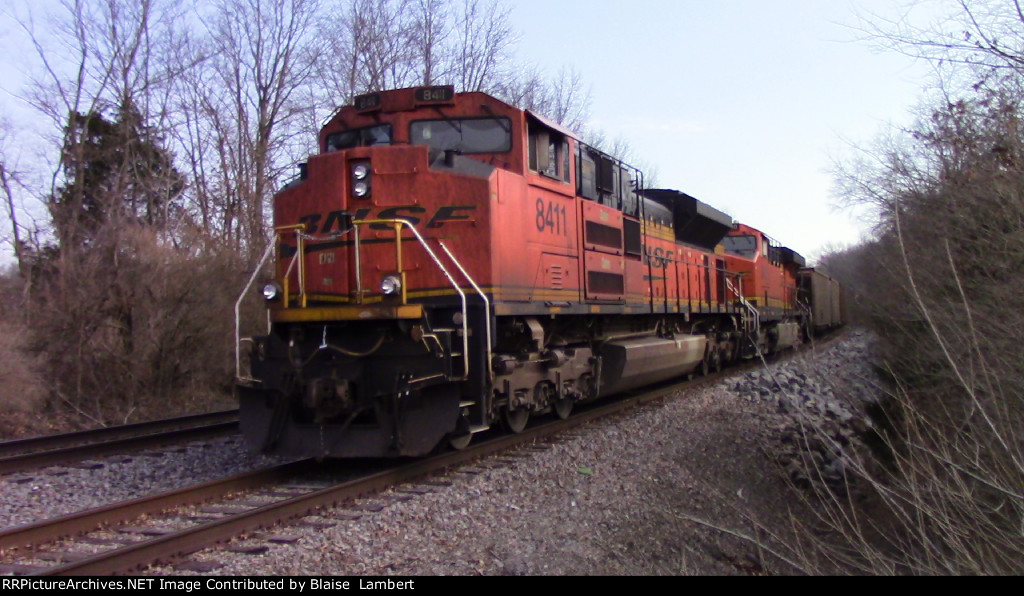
[(603, 235), (605, 283)]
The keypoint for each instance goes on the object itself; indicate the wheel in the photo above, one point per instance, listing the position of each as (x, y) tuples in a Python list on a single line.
[(563, 407), (515, 420), (459, 438), (459, 442)]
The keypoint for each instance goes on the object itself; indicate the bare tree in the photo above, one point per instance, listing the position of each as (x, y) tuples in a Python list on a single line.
[(561, 98), (260, 53), (94, 58), (570, 101), (428, 35), (987, 37), (69, 82), (8, 178), (369, 46), (526, 90), (385, 48), (103, 313), (383, 44), (484, 39)]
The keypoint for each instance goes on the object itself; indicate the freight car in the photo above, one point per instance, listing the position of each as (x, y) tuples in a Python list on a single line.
[(447, 263), (825, 298)]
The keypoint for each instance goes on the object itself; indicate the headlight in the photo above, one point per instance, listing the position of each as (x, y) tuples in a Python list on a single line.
[(359, 179), (272, 290), (391, 285)]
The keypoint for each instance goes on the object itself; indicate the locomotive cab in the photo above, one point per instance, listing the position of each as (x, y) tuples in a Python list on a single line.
[(767, 286)]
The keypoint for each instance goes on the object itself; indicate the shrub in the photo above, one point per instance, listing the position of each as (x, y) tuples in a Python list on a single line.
[(137, 328), (943, 279)]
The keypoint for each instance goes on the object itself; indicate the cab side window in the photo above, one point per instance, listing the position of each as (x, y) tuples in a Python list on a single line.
[(602, 178), (549, 152)]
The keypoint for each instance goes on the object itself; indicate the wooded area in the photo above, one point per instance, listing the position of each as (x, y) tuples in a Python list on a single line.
[(170, 125), (940, 285)]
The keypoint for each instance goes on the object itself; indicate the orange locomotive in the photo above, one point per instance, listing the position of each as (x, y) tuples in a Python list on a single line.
[(448, 262)]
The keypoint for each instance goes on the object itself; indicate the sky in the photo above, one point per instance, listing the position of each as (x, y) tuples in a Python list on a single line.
[(743, 104)]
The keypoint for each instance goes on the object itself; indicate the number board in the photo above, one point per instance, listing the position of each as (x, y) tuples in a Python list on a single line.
[(438, 94), (365, 103)]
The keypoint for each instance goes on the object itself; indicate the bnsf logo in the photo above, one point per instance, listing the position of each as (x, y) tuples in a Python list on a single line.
[(658, 257), (339, 221)]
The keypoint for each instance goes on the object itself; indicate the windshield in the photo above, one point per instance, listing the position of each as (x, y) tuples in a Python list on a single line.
[(743, 246), (467, 135), (379, 134)]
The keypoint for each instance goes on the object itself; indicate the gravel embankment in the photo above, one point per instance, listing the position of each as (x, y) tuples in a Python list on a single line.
[(694, 485), (60, 490)]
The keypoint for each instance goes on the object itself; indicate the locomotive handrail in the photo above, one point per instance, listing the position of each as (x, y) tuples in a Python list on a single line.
[(753, 310), (259, 267), (301, 239), (487, 307), (398, 224), (238, 315), (300, 252), (807, 311)]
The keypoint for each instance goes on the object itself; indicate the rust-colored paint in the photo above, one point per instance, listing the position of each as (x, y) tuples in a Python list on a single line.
[(526, 237)]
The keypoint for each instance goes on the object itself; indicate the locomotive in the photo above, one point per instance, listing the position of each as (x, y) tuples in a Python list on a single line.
[(447, 263)]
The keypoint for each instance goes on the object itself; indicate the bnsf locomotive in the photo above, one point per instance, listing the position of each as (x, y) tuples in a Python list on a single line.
[(448, 262)]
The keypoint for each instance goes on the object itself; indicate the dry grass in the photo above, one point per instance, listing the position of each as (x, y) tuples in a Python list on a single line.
[(22, 383)]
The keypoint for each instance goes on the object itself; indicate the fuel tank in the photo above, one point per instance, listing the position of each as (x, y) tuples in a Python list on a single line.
[(631, 363)]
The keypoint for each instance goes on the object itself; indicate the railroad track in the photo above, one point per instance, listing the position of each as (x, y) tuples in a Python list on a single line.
[(269, 498), (56, 449), (173, 527)]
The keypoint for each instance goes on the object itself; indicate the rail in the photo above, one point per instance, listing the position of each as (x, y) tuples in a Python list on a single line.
[(36, 452)]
